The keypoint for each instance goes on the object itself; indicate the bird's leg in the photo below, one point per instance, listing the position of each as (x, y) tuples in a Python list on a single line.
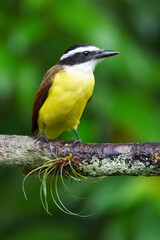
[(78, 138), (75, 130), (42, 137)]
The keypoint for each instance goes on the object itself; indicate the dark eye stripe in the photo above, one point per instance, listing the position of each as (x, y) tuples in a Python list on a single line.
[(78, 58)]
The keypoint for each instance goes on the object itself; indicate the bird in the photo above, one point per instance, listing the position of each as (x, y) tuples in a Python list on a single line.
[(65, 90)]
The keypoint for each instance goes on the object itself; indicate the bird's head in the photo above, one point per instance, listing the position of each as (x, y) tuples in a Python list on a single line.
[(84, 56)]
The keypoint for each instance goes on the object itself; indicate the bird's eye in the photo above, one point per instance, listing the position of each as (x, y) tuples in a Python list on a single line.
[(86, 53)]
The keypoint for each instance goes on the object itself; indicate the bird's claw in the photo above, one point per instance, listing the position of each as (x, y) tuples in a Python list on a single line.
[(42, 138), (76, 141)]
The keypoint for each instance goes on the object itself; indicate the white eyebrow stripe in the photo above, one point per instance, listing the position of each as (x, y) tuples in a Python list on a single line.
[(77, 50)]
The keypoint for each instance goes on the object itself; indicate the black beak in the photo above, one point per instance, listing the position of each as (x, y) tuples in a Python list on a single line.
[(105, 53)]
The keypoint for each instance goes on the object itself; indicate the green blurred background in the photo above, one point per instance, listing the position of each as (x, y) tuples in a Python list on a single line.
[(125, 108)]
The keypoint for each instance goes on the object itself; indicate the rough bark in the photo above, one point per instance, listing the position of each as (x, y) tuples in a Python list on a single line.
[(93, 159)]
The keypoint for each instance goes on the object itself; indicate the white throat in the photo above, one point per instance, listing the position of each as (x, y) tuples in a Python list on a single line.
[(86, 68)]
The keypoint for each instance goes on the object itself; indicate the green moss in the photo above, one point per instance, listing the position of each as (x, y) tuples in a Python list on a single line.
[(116, 166)]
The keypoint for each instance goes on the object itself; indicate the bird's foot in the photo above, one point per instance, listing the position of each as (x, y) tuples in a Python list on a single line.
[(42, 138), (76, 141)]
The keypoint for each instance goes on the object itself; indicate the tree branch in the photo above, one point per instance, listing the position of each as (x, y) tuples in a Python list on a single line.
[(93, 159)]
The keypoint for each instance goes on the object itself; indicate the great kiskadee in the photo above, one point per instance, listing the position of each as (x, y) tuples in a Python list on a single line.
[(65, 90)]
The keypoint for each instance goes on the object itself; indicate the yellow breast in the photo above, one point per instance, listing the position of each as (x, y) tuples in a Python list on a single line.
[(65, 103)]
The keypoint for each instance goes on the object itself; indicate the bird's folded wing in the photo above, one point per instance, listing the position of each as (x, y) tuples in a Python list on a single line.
[(42, 93)]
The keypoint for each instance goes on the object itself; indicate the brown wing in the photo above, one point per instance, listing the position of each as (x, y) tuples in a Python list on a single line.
[(42, 94)]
